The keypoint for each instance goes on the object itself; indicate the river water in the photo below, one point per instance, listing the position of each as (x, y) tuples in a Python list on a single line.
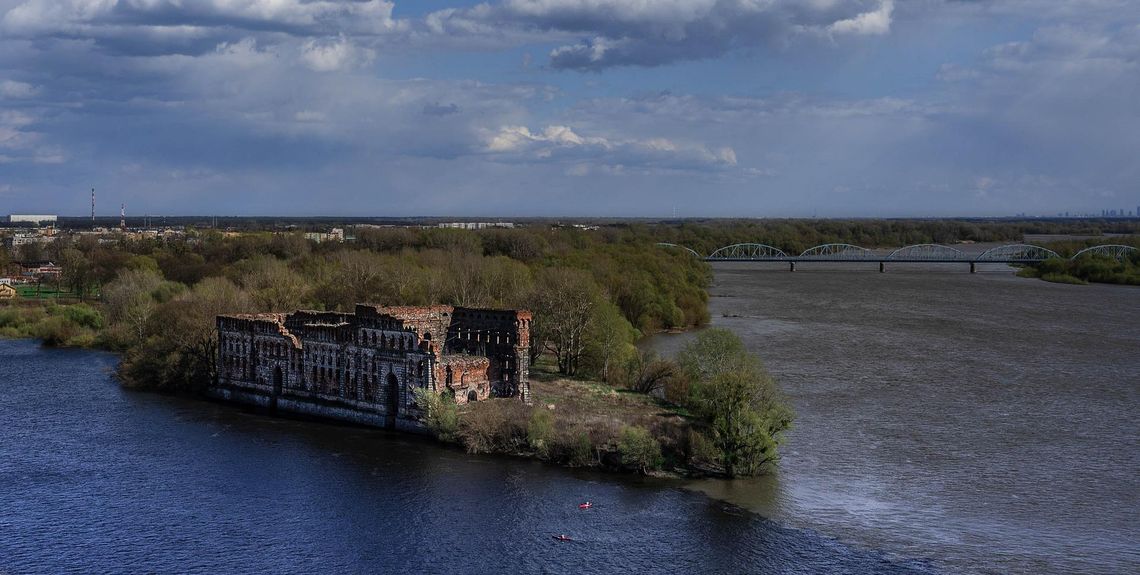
[(97, 479), (985, 422), (947, 423)]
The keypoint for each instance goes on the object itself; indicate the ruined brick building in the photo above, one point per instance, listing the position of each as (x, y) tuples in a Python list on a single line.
[(363, 366)]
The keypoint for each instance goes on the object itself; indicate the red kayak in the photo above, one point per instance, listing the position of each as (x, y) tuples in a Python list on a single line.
[(561, 538), (585, 505)]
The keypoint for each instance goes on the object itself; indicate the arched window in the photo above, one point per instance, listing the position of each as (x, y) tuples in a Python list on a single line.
[(393, 396)]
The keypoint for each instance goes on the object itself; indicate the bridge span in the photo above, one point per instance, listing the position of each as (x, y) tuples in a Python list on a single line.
[(918, 253)]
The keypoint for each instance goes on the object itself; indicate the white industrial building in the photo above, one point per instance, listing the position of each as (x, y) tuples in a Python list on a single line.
[(31, 219)]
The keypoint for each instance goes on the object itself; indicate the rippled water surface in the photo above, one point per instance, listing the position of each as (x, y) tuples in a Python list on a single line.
[(985, 422), (95, 479)]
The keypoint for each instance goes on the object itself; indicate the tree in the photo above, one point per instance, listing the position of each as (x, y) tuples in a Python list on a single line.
[(563, 302), (181, 345), (273, 286), (353, 277), (644, 372), (639, 449), (77, 273), (711, 352), (609, 340), (736, 399), (129, 302), (30, 252)]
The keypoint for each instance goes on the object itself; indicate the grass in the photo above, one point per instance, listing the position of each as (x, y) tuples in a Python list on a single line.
[(1064, 279), (29, 291), (578, 423)]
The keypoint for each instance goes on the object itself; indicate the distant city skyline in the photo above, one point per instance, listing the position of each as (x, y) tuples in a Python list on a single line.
[(577, 108)]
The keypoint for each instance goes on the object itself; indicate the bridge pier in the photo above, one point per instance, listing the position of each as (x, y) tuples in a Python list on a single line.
[(791, 266), (973, 268), (882, 267)]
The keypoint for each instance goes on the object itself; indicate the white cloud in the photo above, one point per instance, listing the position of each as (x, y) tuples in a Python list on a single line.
[(586, 154), (16, 90), (336, 55), (876, 22)]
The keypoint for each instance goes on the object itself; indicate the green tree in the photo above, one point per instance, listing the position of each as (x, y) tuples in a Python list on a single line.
[(180, 350), (440, 413), (639, 449), (737, 400), (609, 340)]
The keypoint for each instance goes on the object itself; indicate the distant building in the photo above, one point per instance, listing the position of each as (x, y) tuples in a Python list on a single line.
[(40, 269), (7, 292), (475, 225), (17, 240), (39, 220), (333, 235)]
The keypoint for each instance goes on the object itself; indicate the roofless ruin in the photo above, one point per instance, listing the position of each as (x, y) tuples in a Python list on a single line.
[(363, 367)]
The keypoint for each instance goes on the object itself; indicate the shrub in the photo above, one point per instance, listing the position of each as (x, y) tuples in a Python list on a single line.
[(539, 430), (578, 449), (493, 425), (81, 315), (639, 449), (1063, 279), (645, 373), (699, 448), (441, 415), (56, 331)]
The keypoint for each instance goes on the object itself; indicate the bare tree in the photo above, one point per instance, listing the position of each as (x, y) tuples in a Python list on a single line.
[(564, 301)]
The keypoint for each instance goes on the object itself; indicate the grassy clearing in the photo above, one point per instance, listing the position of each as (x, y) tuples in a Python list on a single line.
[(580, 424), (29, 291)]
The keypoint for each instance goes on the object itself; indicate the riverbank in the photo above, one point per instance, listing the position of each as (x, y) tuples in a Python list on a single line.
[(122, 480), (587, 424), (571, 422), (981, 420), (56, 325)]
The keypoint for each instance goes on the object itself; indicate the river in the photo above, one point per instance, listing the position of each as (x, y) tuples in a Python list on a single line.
[(987, 423), (98, 479), (947, 423)]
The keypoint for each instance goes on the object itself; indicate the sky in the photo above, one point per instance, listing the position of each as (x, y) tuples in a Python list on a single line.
[(642, 108)]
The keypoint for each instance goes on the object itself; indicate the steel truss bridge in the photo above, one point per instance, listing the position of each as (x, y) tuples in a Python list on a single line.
[(919, 253)]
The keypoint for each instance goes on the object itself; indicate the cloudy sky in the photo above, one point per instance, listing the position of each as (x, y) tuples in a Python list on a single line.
[(570, 107)]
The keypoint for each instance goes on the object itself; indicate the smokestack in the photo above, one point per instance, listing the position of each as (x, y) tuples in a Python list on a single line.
[(92, 207), (123, 217)]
